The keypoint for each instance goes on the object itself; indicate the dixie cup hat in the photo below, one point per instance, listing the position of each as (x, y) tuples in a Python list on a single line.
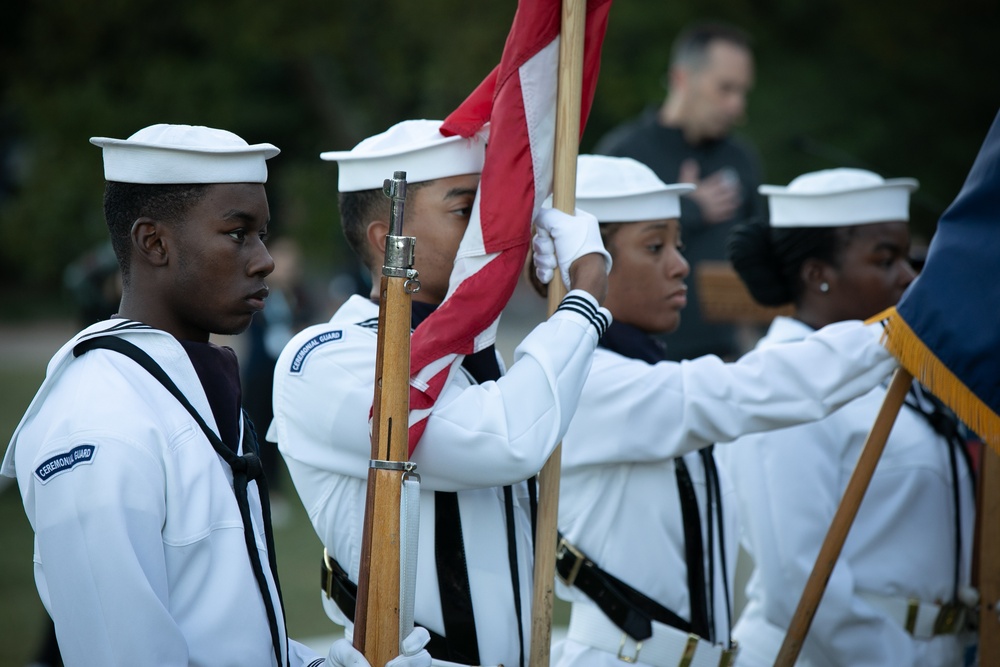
[(838, 197), (620, 189), (165, 154), (414, 146)]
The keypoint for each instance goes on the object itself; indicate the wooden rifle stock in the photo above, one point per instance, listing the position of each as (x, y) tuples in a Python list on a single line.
[(376, 624)]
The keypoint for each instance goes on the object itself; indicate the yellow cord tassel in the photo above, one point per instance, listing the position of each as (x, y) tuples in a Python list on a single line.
[(924, 365)]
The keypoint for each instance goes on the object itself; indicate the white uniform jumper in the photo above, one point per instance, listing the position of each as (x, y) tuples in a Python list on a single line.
[(140, 553), (481, 441), (901, 545), (619, 500)]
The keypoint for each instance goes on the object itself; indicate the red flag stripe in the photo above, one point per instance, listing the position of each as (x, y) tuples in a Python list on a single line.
[(517, 100)]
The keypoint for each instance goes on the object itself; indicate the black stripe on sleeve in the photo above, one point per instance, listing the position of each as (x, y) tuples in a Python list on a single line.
[(588, 310)]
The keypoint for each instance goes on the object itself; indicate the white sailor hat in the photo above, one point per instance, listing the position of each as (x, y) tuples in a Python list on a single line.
[(162, 153), (620, 189), (838, 197), (414, 146)]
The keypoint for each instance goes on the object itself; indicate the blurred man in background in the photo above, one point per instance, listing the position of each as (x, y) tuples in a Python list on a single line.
[(688, 139)]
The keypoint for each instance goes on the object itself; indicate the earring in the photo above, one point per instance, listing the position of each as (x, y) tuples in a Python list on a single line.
[(824, 287)]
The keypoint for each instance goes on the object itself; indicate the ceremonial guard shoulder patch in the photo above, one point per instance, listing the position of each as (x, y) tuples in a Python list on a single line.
[(65, 462), (299, 360)]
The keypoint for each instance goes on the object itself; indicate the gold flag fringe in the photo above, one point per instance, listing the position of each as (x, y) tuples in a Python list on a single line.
[(925, 366)]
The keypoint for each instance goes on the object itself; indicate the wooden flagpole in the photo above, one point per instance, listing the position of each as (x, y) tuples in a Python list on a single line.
[(567, 143), (988, 556), (844, 517)]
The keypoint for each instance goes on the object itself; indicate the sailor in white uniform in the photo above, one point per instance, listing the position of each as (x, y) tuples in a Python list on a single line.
[(488, 432), (138, 470), (648, 544), (837, 248)]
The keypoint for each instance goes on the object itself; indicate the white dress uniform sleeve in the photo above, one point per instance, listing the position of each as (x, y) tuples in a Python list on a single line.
[(673, 408), (97, 532), (502, 432), (476, 436)]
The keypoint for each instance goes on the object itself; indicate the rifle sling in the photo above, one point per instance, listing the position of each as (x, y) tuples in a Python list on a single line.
[(693, 549), (626, 607)]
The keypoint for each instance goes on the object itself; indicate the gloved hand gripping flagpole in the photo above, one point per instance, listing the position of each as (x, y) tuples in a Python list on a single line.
[(384, 612)]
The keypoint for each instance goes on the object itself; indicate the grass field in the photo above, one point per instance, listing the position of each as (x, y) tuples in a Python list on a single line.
[(21, 612)]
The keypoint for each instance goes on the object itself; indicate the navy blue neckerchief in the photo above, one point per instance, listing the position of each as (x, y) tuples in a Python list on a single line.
[(633, 343), (219, 371)]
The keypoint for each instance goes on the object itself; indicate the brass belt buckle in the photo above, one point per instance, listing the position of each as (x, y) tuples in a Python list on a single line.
[(565, 546), (689, 649), (327, 579), (728, 658), (631, 659), (912, 609), (948, 619)]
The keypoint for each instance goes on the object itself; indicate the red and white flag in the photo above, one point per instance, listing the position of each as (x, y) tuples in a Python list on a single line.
[(518, 102)]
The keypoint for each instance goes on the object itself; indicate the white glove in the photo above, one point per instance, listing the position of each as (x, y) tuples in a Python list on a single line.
[(343, 654), (561, 239), (414, 654)]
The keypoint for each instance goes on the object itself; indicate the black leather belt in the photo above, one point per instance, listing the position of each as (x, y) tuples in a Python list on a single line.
[(627, 608), (338, 587)]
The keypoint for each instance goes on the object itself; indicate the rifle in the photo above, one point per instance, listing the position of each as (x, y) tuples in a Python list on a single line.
[(382, 616)]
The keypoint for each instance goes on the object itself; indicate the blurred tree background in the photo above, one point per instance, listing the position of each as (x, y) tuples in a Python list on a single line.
[(906, 89)]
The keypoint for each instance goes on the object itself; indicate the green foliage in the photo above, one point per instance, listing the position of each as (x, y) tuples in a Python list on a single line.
[(906, 90), (901, 88)]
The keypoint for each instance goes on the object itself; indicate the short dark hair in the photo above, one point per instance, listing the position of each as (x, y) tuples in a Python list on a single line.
[(690, 48), (358, 209), (124, 203), (608, 231)]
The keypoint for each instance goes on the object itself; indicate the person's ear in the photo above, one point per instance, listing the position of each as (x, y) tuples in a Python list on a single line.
[(376, 232), (149, 244), (817, 275), (676, 77)]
